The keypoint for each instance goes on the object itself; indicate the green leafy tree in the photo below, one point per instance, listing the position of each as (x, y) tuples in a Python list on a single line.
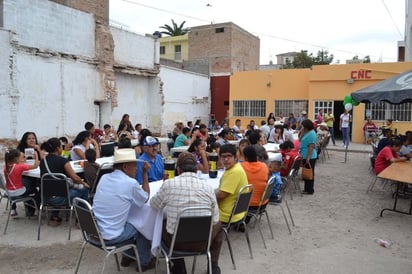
[(366, 59), (303, 60), (174, 29), (323, 58)]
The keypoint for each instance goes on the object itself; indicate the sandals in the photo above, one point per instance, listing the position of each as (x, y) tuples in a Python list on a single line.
[(55, 221)]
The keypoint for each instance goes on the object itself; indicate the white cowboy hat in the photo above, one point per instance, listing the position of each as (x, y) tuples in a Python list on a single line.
[(124, 155)]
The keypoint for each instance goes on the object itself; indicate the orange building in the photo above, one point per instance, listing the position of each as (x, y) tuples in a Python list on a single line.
[(255, 94)]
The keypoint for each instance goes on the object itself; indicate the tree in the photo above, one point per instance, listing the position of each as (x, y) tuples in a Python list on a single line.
[(305, 60), (323, 58), (174, 30)]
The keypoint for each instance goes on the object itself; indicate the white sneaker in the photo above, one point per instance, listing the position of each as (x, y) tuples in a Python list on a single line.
[(13, 213)]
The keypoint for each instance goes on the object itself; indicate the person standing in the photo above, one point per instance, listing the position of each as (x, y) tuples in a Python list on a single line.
[(303, 116), (319, 117), (187, 190), (329, 120), (308, 153), (344, 122)]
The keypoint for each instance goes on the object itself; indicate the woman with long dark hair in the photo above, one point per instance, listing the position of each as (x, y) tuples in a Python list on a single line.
[(308, 153)]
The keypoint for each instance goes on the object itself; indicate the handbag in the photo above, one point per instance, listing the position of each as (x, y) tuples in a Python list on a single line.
[(307, 172)]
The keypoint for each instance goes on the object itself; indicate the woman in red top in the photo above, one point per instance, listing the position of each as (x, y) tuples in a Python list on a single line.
[(389, 155), (17, 188)]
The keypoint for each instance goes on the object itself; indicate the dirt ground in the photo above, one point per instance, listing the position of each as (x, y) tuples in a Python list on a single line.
[(334, 233)]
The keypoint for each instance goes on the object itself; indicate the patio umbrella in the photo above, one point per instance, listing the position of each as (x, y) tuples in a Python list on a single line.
[(394, 90)]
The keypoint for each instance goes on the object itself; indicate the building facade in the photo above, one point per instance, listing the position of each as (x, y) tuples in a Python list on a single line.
[(255, 94)]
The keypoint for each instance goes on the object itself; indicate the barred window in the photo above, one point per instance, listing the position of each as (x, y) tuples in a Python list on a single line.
[(325, 105), (251, 108), (384, 111), (290, 106)]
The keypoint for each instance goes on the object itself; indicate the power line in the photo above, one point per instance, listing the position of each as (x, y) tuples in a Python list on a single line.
[(265, 34)]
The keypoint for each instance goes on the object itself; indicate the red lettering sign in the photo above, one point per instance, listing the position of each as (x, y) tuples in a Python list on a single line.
[(360, 74)]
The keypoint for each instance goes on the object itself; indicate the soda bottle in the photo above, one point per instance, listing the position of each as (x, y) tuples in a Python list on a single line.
[(169, 168), (213, 158)]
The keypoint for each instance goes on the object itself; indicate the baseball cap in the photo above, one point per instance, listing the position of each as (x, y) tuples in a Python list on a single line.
[(150, 141)]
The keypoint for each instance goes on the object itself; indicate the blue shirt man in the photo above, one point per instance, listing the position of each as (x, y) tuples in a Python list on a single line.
[(150, 155)]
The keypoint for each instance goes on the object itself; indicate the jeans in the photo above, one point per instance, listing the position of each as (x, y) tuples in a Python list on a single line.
[(345, 136), (332, 134), (143, 245), (74, 192), (30, 190)]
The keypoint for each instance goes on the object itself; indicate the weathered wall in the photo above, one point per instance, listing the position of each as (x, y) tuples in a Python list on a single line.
[(186, 99), (134, 50), (50, 26)]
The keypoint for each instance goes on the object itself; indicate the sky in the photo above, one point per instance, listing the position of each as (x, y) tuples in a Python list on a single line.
[(345, 28)]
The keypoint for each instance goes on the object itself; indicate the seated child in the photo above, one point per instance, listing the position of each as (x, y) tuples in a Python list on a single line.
[(274, 171), (288, 156), (66, 147), (90, 167), (16, 186)]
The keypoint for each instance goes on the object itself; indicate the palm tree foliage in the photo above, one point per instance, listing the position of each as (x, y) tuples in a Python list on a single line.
[(174, 30)]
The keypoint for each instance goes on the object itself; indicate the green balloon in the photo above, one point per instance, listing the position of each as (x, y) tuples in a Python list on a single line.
[(355, 103), (347, 99)]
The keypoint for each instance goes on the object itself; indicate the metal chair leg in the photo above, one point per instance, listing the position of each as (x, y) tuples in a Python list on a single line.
[(230, 248), (290, 212), (269, 224), (248, 241), (80, 257), (286, 220)]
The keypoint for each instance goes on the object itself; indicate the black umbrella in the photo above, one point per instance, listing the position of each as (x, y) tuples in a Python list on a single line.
[(394, 90)]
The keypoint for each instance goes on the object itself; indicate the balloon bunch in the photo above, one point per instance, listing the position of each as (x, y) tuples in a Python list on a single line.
[(349, 102)]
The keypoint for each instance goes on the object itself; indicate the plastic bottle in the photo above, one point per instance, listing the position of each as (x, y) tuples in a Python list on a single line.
[(213, 158), (169, 168), (383, 243)]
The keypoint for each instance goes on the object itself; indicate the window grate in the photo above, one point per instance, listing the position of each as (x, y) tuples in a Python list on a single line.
[(251, 108), (384, 111), (290, 106)]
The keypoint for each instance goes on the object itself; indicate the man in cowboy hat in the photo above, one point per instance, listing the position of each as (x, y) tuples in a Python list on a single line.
[(188, 190), (116, 193)]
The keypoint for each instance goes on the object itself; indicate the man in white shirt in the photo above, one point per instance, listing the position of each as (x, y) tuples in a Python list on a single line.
[(116, 193)]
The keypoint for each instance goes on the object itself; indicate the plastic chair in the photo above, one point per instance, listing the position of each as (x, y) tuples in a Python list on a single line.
[(91, 235), (13, 201), (191, 227), (257, 213), (241, 206), (54, 185)]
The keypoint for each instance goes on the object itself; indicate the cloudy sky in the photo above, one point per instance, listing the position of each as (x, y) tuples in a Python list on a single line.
[(345, 28)]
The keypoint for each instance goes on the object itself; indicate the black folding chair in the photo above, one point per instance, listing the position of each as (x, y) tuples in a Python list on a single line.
[(194, 225), (13, 201), (54, 185), (104, 168), (107, 149), (257, 213), (91, 235), (241, 206)]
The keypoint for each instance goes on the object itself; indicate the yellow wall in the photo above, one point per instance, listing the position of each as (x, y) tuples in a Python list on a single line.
[(169, 44), (329, 82)]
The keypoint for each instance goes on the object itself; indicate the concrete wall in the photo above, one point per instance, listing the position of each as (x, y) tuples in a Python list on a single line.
[(185, 99), (50, 26), (134, 50)]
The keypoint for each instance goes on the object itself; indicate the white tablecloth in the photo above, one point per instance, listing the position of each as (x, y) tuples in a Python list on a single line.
[(149, 221), (75, 165), (179, 149)]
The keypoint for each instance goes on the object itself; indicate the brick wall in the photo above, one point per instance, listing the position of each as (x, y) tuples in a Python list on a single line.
[(232, 49), (100, 8)]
